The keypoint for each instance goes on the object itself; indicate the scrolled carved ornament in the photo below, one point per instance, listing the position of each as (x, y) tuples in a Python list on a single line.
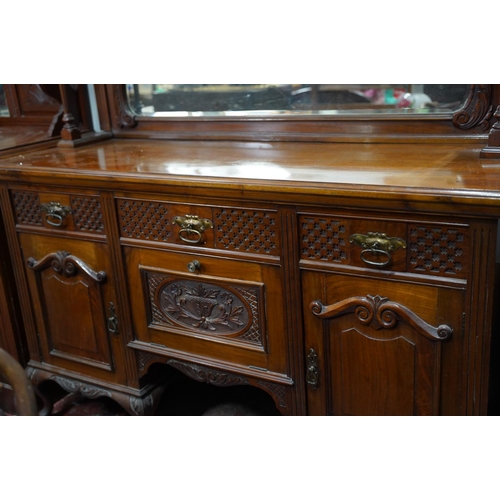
[(477, 110), (207, 375), (379, 312), (65, 264), (124, 115), (86, 390)]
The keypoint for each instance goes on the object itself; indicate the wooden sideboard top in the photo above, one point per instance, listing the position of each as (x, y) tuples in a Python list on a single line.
[(22, 138), (428, 177)]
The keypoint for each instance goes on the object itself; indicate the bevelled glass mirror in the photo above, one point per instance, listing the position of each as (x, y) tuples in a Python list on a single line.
[(233, 100)]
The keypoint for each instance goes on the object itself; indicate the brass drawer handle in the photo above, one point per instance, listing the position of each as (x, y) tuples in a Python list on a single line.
[(375, 251), (55, 213), (377, 244), (192, 225)]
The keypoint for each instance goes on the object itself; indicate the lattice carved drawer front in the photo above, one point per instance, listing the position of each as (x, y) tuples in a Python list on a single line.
[(246, 230), (438, 250), (58, 211), (144, 220), (425, 248), (232, 229), (324, 238)]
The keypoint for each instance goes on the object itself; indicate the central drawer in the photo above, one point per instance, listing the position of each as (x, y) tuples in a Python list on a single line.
[(221, 309), (234, 229)]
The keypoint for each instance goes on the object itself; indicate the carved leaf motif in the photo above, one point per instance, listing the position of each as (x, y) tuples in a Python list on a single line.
[(209, 308), (240, 304), (207, 375)]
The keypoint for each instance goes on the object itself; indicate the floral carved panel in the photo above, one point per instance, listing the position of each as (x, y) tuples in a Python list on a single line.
[(231, 312)]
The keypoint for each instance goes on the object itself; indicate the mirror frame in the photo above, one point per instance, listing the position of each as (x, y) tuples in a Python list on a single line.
[(471, 123)]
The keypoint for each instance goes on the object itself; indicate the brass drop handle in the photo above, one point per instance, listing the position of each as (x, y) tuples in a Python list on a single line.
[(194, 266), (55, 213), (377, 244), (192, 228)]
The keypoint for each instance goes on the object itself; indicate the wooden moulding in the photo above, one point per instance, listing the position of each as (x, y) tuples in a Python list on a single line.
[(85, 139)]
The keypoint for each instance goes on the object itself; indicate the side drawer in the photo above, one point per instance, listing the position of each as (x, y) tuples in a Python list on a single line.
[(421, 247), (57, 211)]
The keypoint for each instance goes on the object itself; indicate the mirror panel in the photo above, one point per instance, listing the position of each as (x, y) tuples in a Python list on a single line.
[(4, 109), (274, 100)]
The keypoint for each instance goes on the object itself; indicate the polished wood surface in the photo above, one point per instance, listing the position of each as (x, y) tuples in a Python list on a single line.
[(14, 140), (437, 174)]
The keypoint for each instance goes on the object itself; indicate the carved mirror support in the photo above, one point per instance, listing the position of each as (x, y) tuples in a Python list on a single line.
[(492, 150)]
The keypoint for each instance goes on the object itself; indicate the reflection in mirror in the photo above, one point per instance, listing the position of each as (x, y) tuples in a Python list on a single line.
[(4, 109), (178, 100)]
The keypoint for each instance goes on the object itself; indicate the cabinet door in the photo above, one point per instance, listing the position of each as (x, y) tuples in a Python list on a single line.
[(71, 290), (376, 347)]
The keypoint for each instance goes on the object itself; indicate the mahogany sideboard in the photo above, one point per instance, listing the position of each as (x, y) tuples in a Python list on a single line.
[(341, 279)]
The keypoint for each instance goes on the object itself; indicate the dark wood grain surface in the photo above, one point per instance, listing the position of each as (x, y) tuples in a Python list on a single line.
[(431, 175)]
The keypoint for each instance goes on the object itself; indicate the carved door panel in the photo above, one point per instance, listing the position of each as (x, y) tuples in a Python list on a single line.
[(71, 290), (376, 348)]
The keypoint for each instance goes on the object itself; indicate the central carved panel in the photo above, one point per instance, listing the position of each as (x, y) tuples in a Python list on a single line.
[(230, 311), (206, 307)]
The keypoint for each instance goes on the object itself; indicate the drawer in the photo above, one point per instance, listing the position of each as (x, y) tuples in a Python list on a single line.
[(211, 308), (421, 247), (58, 211), (247, 230)]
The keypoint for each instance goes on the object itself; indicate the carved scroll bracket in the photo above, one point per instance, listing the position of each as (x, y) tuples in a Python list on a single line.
[(477, 110), (379, 312), (65, 264), (124, 115)]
